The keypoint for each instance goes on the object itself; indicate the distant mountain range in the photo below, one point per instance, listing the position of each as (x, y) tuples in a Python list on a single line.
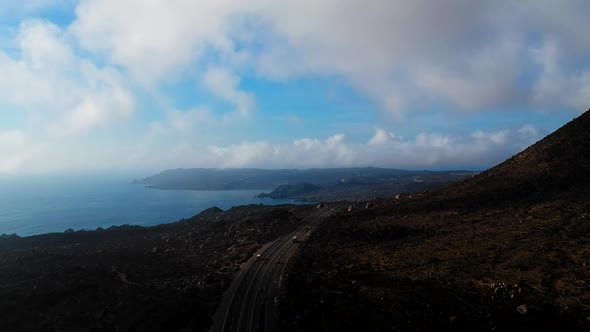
[(326, 184)]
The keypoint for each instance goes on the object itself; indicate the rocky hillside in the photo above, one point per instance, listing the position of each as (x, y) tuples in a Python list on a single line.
[(506, 250), (129, 278), (559, 162)]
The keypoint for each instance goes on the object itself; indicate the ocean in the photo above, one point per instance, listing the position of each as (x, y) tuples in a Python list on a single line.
[(53, 204)]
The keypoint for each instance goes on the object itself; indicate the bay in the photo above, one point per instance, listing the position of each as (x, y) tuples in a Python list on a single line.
[(30, 206)]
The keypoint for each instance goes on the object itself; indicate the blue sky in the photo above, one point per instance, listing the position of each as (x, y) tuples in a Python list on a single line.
[(136, 86)]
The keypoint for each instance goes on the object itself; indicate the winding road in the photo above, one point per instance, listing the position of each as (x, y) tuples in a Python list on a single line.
[(250, 304)]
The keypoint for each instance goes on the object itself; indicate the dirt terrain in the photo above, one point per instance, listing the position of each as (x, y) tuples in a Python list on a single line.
[(129, 278), (508, 249)]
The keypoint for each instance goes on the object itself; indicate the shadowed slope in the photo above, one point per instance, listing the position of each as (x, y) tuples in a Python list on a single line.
[(505, 250), (560, 161)]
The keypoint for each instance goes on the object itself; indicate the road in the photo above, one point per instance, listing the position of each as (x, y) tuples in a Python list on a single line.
[(250, 304)]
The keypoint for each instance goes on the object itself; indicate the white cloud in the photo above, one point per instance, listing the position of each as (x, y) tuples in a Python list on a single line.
[(58, 94), (306, 143), (249, 152), (306, 151), (335, 140), (555, 86), (403, 56), (381, 136), (469, 54), (50, 82), (564, 21), (529, 132), (156, 40), (187, 120), (12, 138), (375, 46), (425, 150), (13, 146), (487, 78), (499, 137), (43, 47), (167, 146), (225, 85)]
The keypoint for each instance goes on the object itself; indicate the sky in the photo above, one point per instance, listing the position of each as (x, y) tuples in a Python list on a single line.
[(146, 85)]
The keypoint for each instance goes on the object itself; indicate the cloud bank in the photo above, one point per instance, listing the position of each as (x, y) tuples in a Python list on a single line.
[(73, 87), (425, 151), (472, 55)]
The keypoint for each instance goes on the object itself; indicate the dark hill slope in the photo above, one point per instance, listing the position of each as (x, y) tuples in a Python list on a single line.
[(506, 250), (168, 277), (561, 161)]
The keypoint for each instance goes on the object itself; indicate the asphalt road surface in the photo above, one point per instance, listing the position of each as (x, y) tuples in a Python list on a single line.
[(250, 304)]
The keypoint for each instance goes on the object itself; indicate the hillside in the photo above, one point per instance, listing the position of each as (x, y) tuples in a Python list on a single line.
[(129, 278), (560, 162), (508, 249), (252, 178), (331, 184)]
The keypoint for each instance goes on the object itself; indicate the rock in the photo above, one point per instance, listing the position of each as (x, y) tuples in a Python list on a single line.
[(9, 236), (69, 230), (211, 210), (522, 309)]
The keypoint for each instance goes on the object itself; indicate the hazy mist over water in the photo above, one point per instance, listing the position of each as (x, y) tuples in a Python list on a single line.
[(36, 205)]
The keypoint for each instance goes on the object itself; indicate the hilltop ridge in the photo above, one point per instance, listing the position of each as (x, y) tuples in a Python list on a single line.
[(507, 249), (558, 162)]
